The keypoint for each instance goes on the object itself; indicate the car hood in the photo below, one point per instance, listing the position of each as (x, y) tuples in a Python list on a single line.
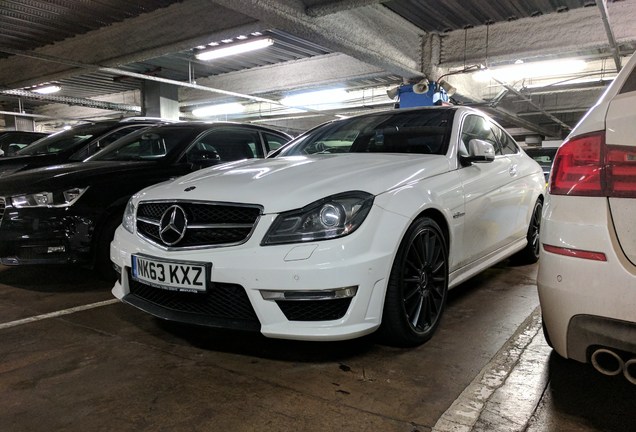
[(54, 177), (12, 164), (286, 183)]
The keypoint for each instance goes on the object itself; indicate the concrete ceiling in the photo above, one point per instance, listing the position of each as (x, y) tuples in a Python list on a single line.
[(100, 53)]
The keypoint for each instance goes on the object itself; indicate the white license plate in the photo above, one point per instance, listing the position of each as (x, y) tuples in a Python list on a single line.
[(174, 276)]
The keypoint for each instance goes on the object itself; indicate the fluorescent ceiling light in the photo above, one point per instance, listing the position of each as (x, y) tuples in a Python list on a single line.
[(234, 48), (215, 110), (531, 70), (48, 89), (319, 97)]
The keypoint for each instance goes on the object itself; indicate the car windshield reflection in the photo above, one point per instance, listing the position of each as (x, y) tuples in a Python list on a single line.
[(414, 132), (157, 144)]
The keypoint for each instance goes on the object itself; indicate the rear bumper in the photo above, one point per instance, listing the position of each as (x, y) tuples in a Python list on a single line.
[(586, 331), (585, 303)]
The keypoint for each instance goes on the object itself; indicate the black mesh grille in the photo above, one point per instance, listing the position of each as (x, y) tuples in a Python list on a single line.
[(2, 206), (222, 301), (314, 310), (197, 214)]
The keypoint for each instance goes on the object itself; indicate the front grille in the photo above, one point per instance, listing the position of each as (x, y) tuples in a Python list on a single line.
[(223, 305), (209, 224), (314, 310), (2, 207)]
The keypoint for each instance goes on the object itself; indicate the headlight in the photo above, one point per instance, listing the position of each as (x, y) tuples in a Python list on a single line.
[(128, 220), (48, 199), (331, 217)]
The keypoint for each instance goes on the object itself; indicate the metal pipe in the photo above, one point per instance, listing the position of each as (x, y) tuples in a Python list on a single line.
[(602, 6), (522, 96), (629, 370), (607, 362)]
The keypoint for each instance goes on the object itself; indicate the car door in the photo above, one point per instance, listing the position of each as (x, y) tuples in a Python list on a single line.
[(489, 194), (521, 168)]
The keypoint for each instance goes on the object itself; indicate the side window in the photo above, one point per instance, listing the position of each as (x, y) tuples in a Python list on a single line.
[(225, 145), (477, 127), (508, 145), (630, 83), (273, 142), (104, 141)]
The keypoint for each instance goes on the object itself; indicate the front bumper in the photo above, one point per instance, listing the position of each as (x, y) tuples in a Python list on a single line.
[(362, 260), (44, 236)]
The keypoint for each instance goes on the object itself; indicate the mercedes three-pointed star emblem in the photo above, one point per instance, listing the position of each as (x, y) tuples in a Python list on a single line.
[(173, 225)]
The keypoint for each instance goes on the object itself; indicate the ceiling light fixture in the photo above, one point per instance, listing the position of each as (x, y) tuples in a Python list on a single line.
[(48, 89), (318, 97), (216, 110), (234, 48), (530, 70)]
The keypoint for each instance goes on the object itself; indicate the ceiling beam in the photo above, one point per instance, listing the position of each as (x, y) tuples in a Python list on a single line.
[(556, 34), (178, 27), (316, 71), (372, 34)]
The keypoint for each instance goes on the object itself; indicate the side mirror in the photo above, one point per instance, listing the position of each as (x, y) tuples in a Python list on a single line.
[(479, 151)]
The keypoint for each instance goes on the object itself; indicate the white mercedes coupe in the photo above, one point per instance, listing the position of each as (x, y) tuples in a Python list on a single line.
[(358, 225)]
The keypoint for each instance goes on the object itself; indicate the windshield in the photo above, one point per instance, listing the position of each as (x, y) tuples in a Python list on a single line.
[(66, 140), (418, 132), (150, 144)]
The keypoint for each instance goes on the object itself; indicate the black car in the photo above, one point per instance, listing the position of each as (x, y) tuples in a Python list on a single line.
[(12, 141), (72, 145), (68, 213)]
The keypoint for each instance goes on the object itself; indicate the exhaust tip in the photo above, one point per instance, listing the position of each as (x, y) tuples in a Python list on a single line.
[(607, 362), (629, 370)]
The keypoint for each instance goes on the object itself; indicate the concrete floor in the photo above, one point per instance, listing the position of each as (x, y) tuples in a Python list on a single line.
[(82, 365)]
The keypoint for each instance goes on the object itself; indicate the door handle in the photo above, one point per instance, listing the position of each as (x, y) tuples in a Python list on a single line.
[(513, 171)]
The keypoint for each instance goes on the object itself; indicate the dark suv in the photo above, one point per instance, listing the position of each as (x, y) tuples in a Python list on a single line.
[(73, 145), (68, 213)]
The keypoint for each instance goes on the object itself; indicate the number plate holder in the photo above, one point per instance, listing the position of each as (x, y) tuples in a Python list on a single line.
[(172, 275)]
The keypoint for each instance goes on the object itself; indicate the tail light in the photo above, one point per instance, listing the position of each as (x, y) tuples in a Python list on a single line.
[(585, 166)]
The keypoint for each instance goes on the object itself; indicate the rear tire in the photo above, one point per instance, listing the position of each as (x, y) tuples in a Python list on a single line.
[(530, 253), (417, 287)]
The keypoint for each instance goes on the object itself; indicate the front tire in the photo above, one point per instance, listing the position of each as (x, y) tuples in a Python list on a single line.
[(417, 287)]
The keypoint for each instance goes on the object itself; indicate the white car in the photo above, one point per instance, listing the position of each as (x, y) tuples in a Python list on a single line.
[(587, 273), (358, 225)]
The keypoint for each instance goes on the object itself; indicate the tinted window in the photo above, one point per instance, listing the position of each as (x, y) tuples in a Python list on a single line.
[(273, 142), (65, 140), (225, 145), (104, 141), (508, 144), (630, 83), (419, 132), (150, 144), (477, 127)]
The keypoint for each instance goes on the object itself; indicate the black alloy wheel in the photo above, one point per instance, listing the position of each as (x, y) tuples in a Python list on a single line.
[(417, 288), (530, 254)]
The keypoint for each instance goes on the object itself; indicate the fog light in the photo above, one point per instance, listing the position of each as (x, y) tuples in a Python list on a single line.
[(331, 294), (55, 249)]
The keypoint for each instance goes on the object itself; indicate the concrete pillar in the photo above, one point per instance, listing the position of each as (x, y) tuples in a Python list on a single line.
[(19, 123), (160, 100)]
